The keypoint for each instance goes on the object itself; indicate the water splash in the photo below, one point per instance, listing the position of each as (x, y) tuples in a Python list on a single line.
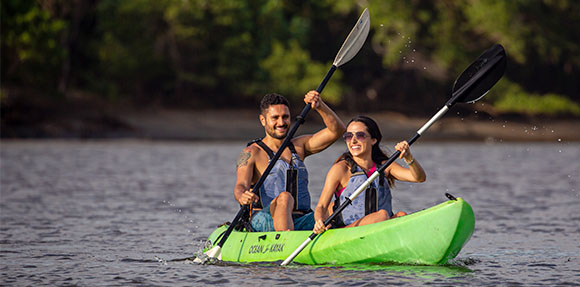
[(161, 260)]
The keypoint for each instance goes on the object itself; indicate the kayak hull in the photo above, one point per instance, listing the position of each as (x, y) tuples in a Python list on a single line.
[(429, 236)]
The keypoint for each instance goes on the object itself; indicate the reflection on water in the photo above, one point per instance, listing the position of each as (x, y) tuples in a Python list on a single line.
[(123, 213), (422, 271)]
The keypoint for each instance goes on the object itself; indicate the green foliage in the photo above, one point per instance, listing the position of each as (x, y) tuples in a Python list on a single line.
[(132, 49), (394, 32), (31, 51), (450, 34), (230, 52), (514, 99), (292, 73), (208, 48)]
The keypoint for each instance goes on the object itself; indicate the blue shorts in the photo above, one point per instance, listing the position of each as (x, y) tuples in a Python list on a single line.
[(262, 221)]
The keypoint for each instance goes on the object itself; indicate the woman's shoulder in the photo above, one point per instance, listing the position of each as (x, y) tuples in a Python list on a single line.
[(340, 166)]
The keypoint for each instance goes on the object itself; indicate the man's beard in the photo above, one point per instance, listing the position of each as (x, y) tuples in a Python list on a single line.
[(272, 132)]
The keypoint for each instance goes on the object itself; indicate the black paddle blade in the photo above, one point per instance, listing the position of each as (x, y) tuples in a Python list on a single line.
[(480, 76)]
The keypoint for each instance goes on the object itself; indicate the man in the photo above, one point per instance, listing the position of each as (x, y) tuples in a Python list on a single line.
[(276, 208)]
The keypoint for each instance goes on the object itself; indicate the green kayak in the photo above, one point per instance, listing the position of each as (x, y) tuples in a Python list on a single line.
[(430, 236)]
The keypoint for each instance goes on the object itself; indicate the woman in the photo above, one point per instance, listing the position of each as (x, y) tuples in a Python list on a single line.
[(351, 169)]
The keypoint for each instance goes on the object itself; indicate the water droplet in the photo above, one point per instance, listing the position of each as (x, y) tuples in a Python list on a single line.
[(414, 50), (559, 140), (412, 61), (424, 68), (382, 25)]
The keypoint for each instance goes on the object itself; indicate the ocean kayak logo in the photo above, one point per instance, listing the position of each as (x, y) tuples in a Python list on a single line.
[(269, 248)]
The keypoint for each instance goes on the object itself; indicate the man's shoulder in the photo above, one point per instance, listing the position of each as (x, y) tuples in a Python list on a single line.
[(255, 150), (251, 148)]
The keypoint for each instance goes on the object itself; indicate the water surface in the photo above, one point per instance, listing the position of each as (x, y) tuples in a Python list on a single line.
[(127, 213)]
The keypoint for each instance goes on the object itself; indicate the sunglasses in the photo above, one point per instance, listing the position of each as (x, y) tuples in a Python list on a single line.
[(360, 136)]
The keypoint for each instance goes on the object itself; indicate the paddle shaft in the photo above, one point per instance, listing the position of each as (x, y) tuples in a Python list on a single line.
[(299, 121)]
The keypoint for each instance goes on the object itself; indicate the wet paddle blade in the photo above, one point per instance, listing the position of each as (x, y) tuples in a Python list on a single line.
[(480, 76), (215, 252), (355, 40)]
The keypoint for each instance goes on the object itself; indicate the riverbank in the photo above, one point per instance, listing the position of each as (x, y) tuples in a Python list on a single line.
[(216, 125), (244, 125)]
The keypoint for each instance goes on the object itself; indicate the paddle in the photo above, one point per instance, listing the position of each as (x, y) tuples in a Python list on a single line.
[(471, 86), (349, 49)]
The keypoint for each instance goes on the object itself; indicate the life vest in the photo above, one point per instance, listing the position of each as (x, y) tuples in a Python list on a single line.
[(377, 196), (276, 181)]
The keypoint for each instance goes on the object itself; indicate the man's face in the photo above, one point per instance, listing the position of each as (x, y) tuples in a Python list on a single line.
[(276, 121)]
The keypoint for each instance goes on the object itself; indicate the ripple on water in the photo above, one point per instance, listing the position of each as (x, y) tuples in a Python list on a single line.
[(121, 213)]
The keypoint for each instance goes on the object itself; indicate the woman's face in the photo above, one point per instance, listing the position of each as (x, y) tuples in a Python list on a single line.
[(358, 140)]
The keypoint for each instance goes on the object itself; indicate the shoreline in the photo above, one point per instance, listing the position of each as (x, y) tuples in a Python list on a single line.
[(243, 124)]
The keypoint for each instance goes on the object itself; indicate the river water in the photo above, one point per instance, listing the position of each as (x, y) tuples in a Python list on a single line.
[(130, 213)]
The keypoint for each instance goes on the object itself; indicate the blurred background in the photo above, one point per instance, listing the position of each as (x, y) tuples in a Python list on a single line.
[(182, 69)]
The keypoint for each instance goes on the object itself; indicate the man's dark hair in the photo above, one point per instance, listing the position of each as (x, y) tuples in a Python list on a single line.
[(272, 99)]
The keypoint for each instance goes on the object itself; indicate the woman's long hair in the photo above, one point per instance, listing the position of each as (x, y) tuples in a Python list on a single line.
[(377, 154)]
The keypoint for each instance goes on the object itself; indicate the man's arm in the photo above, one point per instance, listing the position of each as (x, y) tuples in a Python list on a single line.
[(324, 138), (245, 171)]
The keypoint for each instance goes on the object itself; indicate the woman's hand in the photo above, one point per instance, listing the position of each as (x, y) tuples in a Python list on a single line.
[(319, 227), (405, 150)]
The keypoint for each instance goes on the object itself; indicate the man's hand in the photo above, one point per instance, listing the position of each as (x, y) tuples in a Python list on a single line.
[(248, 197), (312, 98)]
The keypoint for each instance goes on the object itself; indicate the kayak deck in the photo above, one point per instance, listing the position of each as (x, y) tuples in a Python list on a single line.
[(429, 236)]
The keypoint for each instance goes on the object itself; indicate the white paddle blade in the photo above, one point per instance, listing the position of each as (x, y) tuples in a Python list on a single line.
[(355, 40), (215, 252)]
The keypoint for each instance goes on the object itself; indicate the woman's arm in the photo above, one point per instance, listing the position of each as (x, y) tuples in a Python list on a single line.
[(415, 172), (331, 184)]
